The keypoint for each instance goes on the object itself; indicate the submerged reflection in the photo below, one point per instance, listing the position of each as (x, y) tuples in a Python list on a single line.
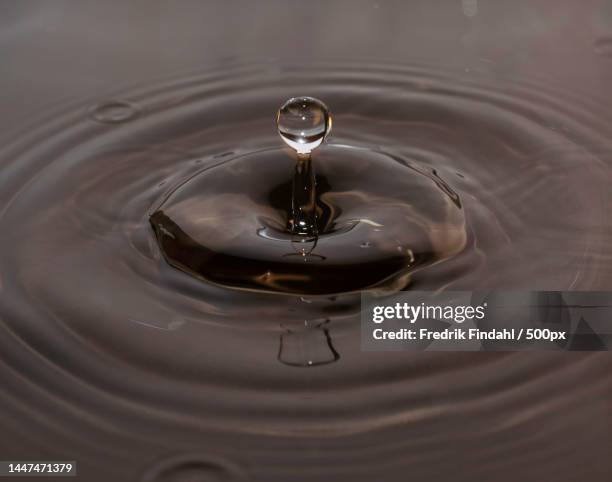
[(307, 345)]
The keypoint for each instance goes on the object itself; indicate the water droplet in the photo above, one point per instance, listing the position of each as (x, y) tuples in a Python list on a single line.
[(194, 468), (303, 123), (114, 112), (603, 46)]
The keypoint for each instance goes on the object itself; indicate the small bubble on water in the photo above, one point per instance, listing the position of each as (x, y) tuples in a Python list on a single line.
[(303, 123), (114, 112), (194, 468)]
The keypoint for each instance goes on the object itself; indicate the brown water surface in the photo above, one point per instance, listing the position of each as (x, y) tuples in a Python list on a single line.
[(472, 149)]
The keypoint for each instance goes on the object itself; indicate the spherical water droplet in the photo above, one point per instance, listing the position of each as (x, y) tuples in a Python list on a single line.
[(114, 112), (303, 123)]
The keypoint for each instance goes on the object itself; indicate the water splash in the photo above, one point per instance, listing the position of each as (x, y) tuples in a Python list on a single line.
[(75, 214)]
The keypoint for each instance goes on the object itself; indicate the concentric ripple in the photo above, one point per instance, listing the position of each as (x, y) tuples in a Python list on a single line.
[(136, 360), (228, 225)]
